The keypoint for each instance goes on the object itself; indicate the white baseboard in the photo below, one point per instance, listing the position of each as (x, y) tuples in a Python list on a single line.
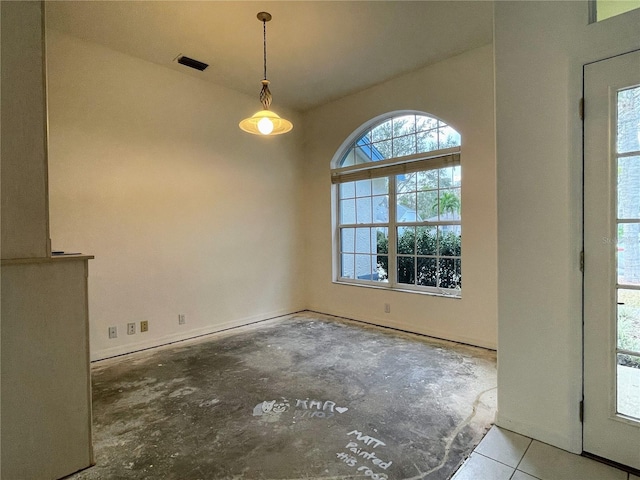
[(406, 327)]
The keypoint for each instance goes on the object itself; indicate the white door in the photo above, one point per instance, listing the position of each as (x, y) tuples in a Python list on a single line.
[(612, 259)]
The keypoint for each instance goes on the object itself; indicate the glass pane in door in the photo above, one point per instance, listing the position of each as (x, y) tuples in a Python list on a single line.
[(628, 253)]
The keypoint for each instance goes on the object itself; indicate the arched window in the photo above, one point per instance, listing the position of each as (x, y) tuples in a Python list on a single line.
[(398, 205)]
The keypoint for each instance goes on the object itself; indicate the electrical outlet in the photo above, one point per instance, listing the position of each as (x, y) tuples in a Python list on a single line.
[(113, 332), (387, 308), (144, 326), (182, 319), (131, 328)]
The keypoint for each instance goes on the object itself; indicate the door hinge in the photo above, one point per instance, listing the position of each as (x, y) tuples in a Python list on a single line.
[(581, 409), (581, 109), (582, 261)]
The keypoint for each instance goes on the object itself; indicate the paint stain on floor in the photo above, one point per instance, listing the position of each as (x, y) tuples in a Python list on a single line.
[(303, 397)]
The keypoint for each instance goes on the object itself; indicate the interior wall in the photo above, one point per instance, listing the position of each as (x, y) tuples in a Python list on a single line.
[(459, 91), (184, 212), (540, 48)]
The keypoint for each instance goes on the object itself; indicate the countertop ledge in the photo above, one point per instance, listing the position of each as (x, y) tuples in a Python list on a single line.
[(51, 259)]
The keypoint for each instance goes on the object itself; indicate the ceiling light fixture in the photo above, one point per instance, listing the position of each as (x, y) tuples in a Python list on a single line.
[(265, 122)]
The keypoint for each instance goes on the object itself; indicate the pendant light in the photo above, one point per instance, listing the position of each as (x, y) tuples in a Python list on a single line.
[(265, 122)]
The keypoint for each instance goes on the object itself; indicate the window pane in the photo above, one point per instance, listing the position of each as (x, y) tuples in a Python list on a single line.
[(406, 273), (347, 211), (427, 206), (363, 240), (363, 188), (450, 240), (445, 176), (629, 385), (448, 137), (364, 210), (383, 149), (628, 253), (347, 239), (382, 246), (427, 141), (427, 180), (404, 125), (381, 209), (363, 267), (449, 204), (629, 187), (448, 273), (380, 186), (406, 240), (629, 320), (426, 241), (406, 207), (457, 176), (425, 123), (348, 263), (382, 240), (348, 159), (405, 145), (382, 268), (427, 268), (629, 120), (406, 182), (347, 190), (381, 132)]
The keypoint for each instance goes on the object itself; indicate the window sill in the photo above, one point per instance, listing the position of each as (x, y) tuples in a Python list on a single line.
[(457, 295)]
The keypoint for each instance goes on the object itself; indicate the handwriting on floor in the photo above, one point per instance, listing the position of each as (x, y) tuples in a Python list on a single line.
[(302, 408), (361, 454)]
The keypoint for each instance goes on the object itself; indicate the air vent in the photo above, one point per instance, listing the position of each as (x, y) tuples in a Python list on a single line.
[(190, 62)]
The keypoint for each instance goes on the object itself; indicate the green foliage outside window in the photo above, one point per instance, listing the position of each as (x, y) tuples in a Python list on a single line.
[(441, 271)]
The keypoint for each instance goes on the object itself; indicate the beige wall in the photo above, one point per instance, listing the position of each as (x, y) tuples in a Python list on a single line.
[(184, 212), (540, 50), (459, 91)]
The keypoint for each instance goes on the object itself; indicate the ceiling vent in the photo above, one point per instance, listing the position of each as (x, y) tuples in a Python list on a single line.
[(190, 62)]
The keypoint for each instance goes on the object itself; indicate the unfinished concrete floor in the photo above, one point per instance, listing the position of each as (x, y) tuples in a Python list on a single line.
[(306, 396)]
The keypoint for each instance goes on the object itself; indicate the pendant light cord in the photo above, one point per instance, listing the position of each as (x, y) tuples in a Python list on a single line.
[(264, 37), (265, 94)]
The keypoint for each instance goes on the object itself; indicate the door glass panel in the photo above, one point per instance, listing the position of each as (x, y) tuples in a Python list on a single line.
[(628, 120), (629, 385), (629, 320), (628, 252)]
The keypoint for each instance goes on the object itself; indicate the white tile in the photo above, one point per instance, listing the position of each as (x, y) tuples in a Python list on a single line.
[(477, 467), (523, 476), (504, 446), (550, 463)]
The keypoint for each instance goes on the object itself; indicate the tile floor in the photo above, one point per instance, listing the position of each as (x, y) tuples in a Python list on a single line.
[(504, 455)]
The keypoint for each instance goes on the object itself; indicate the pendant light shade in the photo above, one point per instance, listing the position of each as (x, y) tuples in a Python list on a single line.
[(265, 122)]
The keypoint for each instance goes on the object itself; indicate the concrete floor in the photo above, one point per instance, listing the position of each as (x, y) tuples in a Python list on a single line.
[(303, 397)]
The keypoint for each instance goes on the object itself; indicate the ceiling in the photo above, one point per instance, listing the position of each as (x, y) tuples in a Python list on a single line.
[(317, 51)]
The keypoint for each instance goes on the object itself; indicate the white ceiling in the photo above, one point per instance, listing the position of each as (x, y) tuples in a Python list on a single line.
[(317, 50)]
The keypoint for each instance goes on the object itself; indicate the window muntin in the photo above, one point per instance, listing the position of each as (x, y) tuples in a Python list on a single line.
[(401, 230)]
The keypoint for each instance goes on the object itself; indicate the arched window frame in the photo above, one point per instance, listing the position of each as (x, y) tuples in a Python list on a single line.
[(434, 270)]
